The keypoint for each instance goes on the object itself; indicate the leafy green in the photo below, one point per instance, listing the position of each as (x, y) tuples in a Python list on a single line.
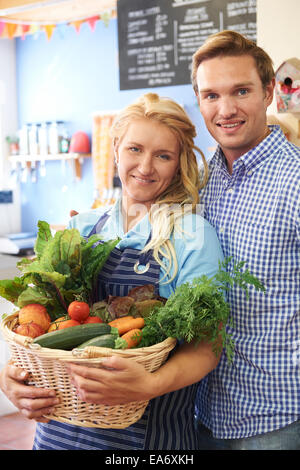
[(100, 309), (121, 343), (64, 269), (43, 236), (93, 259), (199, 311), (11, 289)]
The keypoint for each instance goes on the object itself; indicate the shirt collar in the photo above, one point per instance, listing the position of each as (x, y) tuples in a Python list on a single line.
[(140, 230), (256, 156)]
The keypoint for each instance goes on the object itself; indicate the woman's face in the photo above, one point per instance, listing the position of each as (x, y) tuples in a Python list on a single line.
[(148, 160)]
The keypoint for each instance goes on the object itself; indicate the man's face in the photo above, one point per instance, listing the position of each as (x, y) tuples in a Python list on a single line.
[(233, 103)]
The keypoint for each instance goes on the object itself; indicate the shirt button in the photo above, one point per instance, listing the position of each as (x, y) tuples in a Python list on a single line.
[(230, 190), (249, 173), (222, 230)]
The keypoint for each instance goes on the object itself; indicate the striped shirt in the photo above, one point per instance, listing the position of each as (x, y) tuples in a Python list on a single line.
[(256, 213)]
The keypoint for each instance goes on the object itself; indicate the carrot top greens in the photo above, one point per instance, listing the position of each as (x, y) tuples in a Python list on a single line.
[(199, 310)]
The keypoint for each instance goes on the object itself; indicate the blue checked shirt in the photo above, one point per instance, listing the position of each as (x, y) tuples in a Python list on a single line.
[(256, 213)]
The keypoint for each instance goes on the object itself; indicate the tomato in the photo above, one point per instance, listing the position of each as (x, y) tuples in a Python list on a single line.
[(93, 320), (78, 311), (55, 324), (68, 324)]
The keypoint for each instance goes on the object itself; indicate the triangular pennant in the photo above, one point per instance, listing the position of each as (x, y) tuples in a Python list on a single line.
[(35, 31), (11, 29), (33, 28), (77, 25), (49, 28), (105, 17), (2, 26), (92, 21), (25, 28), (62, 30)]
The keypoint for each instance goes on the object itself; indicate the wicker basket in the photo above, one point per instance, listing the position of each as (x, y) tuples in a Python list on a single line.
[(48, 370)]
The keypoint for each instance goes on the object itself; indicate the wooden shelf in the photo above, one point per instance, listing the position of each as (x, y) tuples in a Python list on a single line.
[(56, 156), (71, 157)]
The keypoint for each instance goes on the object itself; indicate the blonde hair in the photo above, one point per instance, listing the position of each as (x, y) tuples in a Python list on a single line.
[(230, 43), (167, 212)]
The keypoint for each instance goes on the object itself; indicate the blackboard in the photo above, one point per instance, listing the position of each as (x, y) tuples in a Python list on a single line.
[(158, 38)]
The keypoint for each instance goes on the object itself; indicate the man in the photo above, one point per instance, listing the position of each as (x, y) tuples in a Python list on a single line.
[(253, 200)]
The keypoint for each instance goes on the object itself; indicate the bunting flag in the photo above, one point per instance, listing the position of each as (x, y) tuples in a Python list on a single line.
[(49, 28), (33, 28), (77, 25), (12, 30), (92, 22), (25, 28), (105, 17), (2, 27)]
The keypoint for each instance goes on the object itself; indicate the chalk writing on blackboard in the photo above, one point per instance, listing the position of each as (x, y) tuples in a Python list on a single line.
[(157, 39)]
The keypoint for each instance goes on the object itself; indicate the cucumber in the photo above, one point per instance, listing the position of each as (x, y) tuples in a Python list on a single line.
[(103, 341), (69, 338)]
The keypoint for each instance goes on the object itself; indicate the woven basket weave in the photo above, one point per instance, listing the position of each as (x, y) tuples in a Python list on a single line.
[(47, 368)]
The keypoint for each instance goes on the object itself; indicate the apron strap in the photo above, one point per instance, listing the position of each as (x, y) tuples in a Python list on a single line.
[(143, 258), (99, 225)]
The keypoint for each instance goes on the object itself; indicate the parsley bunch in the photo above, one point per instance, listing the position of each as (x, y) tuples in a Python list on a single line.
[(199, 311)]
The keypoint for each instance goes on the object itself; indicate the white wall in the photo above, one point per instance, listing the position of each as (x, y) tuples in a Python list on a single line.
[(10, 214), (278, 32), (6, 405), (8, 270)]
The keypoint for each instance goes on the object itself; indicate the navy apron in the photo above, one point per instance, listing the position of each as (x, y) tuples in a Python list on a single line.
[(167, 422)]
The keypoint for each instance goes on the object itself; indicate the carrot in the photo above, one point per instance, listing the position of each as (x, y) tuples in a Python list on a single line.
[(124, 324), (116, 321), (132, 337)]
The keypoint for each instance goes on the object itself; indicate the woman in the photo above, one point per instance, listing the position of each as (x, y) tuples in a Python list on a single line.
[(163, 242)]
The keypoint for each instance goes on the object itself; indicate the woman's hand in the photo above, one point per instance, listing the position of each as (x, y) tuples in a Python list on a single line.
[(119, 380), (33, 402), (116, 382)]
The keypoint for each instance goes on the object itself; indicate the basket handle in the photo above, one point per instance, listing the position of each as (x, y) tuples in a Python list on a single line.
[(90, 352), (23, 340)]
